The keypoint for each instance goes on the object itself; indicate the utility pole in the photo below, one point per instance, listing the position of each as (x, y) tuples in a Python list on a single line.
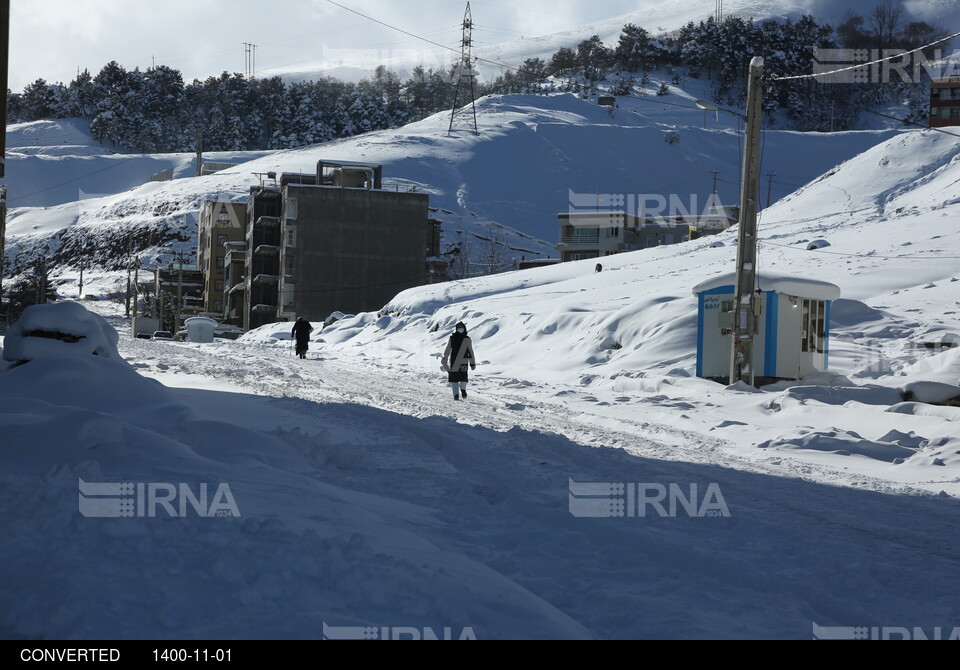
[(716, 178), (250, 59), (4, 66), (745, 321), (176, 324), (3, 232), (136, 286), (771, 175), (129, 268), (466, 76), (42, 281), (199, 151)]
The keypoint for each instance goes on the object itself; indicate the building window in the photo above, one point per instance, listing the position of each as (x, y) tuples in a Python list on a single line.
[(293, 209), (223, 220), (585, 235), (221, 263), (291, 237), (218, 286), (218, 306), (221, 240), (814, 332), (934, 111)]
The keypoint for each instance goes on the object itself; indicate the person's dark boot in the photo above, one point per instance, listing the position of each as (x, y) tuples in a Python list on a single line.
[(463, 393)]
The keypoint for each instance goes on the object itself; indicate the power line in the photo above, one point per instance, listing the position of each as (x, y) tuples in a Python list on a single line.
[(428, 41), (911, 123), (863, 65)]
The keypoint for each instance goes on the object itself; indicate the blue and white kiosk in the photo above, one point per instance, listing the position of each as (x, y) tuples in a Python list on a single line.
[(793, 327)]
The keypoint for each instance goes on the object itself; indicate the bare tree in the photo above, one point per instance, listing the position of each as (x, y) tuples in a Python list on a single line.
[(496, 253), (887, 17)]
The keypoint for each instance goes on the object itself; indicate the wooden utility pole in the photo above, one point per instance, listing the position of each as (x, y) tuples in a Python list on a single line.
[(136, 287), (129, 269), (771, 175), (745, 321), (199, 152), (3, 232), (4, 66)]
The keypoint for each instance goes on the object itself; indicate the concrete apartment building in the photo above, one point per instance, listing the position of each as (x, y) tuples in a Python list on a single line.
[(235, 286), (222, 224), (262, 253), (588, 235), (349, 245), (945, 102)]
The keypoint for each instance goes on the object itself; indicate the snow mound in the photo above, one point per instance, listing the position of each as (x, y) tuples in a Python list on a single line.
[(922, 409), (853, 313), (63, 329), (847, 443), (933, 393), (270, 334), (93, 383), (835, 395)]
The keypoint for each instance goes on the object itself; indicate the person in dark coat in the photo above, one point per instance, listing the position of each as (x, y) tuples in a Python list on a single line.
[(457, 359), (301, 332)]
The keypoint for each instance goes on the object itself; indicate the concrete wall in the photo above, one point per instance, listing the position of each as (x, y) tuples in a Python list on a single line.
[(355, 248)]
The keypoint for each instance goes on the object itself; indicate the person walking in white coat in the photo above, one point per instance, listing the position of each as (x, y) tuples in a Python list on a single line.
[(457, 360)]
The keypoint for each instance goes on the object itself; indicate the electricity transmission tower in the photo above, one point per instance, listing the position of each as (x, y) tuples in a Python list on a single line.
[(466, 79), (719, 15), (250, 58)]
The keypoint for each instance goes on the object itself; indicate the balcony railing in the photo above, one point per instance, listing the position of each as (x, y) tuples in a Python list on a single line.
[(575, 239)]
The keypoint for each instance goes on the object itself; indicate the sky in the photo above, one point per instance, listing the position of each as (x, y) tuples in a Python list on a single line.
[(53, 38)]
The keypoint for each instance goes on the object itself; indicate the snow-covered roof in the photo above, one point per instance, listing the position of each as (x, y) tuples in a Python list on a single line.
[(801, 287)]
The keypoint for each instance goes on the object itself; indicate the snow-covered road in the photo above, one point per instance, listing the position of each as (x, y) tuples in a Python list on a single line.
[(802, 543)]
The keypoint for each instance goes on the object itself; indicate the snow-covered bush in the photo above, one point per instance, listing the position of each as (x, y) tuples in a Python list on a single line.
[(63, 329)]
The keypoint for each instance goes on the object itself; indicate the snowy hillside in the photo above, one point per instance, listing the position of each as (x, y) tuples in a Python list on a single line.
[(889, 217), (588, 487), (535, 156), (658, 17), (57, 162)]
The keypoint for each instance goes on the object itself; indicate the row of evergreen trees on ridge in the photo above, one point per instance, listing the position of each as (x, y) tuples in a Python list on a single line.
[(154, 111)]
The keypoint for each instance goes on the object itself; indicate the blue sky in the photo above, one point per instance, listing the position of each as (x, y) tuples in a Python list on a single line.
[(53, 38)]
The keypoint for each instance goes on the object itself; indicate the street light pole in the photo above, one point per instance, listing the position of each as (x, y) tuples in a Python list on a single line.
[(745, 321)]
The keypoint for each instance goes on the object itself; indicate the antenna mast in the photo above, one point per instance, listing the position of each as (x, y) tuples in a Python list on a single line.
[(466, 77)]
